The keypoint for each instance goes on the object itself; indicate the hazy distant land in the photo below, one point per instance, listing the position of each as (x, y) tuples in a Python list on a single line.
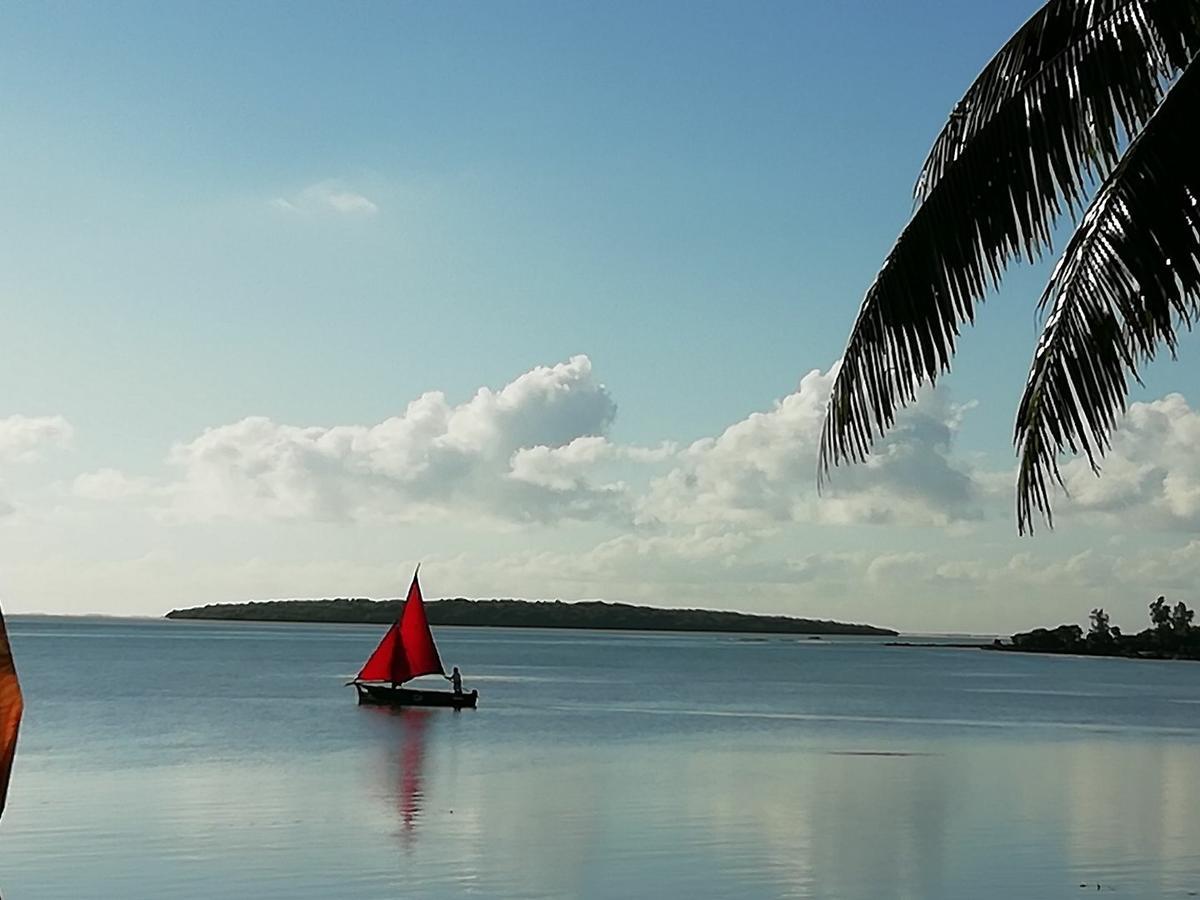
[(524, 614), (1171, 635)]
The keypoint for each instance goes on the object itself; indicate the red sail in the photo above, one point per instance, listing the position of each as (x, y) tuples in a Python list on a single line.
[(379, 666), (407, 650), (10, 711), (420, 653)]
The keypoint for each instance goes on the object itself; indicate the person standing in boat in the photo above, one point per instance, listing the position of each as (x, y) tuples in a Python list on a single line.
[(455, 679)]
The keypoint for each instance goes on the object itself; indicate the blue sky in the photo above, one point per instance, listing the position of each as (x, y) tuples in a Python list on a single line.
[(316, 213)]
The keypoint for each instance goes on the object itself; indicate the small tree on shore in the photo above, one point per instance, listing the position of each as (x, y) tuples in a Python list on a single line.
[(1160, 616), (1100, 631), (1181, 619)]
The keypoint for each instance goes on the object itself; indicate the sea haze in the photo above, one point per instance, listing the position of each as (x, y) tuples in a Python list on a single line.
[(196, 759)]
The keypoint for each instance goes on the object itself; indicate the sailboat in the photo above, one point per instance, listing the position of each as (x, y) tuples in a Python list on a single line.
[(407, 651)]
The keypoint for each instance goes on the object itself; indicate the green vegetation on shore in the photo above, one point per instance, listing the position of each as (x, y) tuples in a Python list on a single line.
[(523, 614), (1170, 636)]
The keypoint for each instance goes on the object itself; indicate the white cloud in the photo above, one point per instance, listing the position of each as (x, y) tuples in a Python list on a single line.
[(571, 466), (1151, 476), (25, 438), (109, 484), (560, 468), (762, 470), (537, 450), (436, 458), (327, 197)]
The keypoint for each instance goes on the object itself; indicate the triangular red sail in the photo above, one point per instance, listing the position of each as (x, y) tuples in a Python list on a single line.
[(420, 652), (379, 666), (10, 711), (407, 650)]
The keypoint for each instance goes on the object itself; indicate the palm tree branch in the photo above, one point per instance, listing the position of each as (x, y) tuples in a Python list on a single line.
[(1000, 199), (1056, 37), (1127, 280)]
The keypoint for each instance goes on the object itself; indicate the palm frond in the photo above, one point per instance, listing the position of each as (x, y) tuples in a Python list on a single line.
[(1128, 279), (1059, 35), (1053, 124)]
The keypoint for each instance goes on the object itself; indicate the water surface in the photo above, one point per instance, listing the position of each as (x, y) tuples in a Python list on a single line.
[(193, 759)]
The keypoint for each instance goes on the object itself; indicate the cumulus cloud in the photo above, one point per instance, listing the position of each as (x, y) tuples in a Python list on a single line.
[(25, 438), (109, 484), (762, 470), (435, 458), (1151, 476), (538, 450), (572, 465), (329, 197)]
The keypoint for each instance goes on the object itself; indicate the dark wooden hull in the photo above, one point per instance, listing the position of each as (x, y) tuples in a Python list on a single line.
[(383, 695)]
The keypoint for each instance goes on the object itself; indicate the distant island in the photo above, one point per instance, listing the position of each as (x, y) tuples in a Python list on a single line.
[(524, 614), (1170, 636)]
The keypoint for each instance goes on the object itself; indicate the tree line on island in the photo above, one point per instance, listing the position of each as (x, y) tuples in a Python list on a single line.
[(1170, 636), (524, 614)]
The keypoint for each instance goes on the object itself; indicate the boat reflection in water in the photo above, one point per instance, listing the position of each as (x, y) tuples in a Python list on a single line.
[(406, 757)]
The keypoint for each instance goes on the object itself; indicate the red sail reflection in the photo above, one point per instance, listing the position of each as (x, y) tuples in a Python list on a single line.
[(410, 792)]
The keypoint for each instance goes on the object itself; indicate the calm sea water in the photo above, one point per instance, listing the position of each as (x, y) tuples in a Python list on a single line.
[(184, 759)]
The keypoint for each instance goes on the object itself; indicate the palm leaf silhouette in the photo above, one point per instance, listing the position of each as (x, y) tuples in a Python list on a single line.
[(1041, 126)]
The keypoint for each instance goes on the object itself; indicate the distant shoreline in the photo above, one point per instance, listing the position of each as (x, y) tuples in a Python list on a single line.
[(527, 614), (999, 647), (1150, 655)]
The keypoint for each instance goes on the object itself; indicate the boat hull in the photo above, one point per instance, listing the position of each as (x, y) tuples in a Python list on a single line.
[(383, 695)]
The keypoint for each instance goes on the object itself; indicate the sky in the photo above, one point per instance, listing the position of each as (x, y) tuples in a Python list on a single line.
[(546, 296)]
